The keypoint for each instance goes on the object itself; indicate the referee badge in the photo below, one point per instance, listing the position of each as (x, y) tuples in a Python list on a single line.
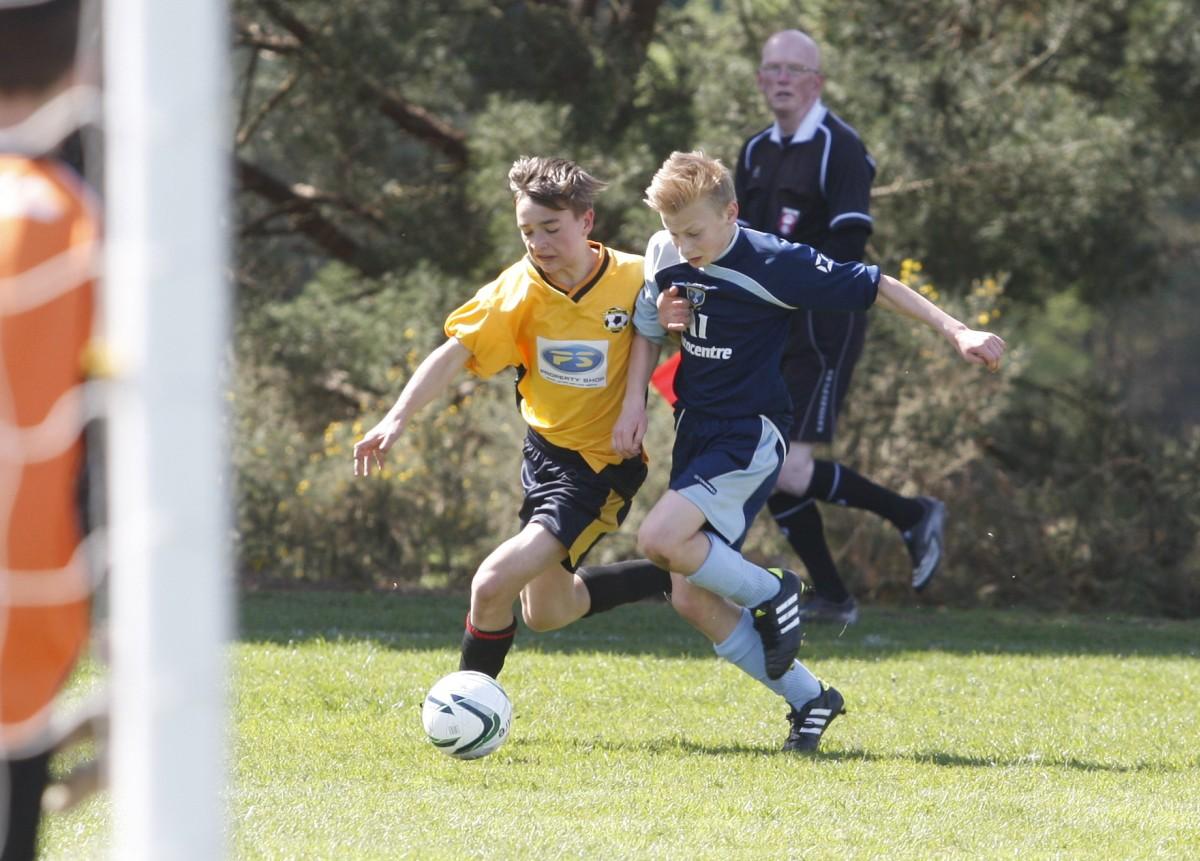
[(787, 221), (616, 319)]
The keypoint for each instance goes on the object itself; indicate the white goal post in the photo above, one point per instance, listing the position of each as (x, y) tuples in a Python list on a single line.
[(165, 316)]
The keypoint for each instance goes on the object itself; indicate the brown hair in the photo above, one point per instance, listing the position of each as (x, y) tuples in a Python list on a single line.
[(556, 183)]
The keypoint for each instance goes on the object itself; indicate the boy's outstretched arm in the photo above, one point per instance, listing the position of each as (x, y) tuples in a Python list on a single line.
[(977, 347), (427, 382)]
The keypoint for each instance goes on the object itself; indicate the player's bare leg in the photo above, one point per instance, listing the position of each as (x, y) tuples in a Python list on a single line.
[(490, 626), (507, 570), (713, 616), (670, 536), (797, 470)]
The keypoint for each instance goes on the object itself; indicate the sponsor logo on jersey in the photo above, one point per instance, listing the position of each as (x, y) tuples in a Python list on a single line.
[(694, 292), (616, 319), (580, 364), (722, 353), (823, 263)]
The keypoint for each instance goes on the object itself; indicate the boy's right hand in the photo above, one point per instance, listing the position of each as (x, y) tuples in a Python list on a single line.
[(375, 444), (630, 430)]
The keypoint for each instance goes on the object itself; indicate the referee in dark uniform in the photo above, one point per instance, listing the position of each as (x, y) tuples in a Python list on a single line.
[(807, 178)]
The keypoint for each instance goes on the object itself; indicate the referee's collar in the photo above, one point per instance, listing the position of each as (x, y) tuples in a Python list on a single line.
[(808, 126)]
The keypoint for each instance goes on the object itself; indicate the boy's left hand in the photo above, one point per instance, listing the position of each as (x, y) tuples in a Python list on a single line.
[(674, 311), (980, 348)]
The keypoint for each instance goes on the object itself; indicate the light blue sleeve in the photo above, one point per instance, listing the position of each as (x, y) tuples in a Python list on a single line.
[(645, 310)]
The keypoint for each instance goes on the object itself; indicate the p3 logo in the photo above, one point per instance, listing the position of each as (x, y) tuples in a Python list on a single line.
[(579, 364)]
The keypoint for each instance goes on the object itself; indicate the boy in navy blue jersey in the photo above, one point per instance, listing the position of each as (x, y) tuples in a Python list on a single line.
[(730, 291)]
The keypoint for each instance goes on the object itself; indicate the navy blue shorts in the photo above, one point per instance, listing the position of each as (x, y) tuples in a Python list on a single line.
[(819, 361), (574, 503), (726, 468)]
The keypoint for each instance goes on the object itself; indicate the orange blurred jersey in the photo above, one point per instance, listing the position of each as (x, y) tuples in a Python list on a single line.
[(48, 253)]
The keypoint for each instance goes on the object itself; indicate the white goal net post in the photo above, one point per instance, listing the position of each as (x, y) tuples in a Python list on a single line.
[(165, 295)]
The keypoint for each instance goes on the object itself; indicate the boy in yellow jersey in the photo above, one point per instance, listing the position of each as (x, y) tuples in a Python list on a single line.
[(562, 316), (48, 247)]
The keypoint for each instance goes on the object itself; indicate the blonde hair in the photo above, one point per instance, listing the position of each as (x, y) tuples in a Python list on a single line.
[(686, 177)]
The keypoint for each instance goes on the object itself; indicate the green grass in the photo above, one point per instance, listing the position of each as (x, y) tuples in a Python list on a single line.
[(970, 734)]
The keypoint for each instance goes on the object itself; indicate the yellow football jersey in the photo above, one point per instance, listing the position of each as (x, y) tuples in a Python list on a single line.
[(571, 346)]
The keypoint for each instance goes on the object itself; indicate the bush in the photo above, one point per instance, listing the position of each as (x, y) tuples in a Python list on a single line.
[(1057, 497)]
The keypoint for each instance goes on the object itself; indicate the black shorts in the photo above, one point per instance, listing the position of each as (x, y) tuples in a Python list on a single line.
[(574, 503), (822, 350)]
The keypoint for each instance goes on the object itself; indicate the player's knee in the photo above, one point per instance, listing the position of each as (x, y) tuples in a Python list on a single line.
[(490, 590), (657, 541), (656, 546)]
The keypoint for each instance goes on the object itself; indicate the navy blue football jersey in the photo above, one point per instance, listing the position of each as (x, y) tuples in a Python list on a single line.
[(741, 308)]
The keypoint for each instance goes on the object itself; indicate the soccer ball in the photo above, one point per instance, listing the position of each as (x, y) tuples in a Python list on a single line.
[(467, 714)]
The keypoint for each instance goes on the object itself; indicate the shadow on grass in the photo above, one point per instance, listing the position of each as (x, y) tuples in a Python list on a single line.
[(936, 758), (434, 622)]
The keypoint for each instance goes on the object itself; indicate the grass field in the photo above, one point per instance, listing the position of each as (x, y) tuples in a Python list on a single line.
[(970, 734)]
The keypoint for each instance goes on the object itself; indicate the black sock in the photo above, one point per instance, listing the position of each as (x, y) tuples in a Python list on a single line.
[(805, 531), (27, 779), (485, 651), (622, 583), (834, 482)]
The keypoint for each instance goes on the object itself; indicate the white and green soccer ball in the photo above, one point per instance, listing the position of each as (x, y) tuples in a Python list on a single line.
[(467, 714)]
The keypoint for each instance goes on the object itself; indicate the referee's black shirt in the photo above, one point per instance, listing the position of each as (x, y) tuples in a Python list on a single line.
[(804, 188)]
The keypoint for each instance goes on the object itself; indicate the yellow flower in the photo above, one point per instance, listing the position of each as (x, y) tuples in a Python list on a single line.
[(410, 333), (983, 318), (303, 486)]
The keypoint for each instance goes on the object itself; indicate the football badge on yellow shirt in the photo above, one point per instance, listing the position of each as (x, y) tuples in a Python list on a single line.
[(616, 319)]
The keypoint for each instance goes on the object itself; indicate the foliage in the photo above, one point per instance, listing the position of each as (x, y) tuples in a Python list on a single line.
[(1058, 496), (301, 515), (1046, 149), (631, 741)]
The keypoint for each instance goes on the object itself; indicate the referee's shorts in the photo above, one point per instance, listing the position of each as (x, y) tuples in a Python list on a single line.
[(819, 361), (574, 503)]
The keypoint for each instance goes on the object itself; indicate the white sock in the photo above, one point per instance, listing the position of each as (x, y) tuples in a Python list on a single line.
[(743, 648), (729, 574)]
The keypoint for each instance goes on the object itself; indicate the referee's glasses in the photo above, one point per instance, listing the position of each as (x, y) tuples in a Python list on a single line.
[(794, 70)]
